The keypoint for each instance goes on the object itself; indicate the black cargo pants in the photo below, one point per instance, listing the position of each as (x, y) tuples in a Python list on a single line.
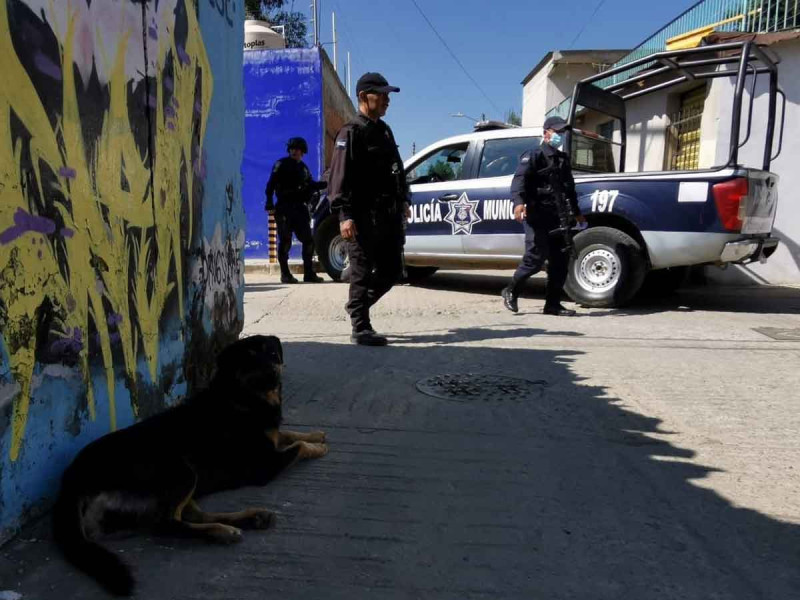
[(294, 220), (376, 264), (541, 246)]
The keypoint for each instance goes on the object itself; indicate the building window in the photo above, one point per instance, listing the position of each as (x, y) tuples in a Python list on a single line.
[(683, 132)]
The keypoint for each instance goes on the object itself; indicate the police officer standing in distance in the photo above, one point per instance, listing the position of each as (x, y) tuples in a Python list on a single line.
[(542, 180), (292, 182), (368, 190)]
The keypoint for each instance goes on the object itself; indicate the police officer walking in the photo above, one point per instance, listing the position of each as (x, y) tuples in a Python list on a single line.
[(292, 182), (542, 181), (368, 190)]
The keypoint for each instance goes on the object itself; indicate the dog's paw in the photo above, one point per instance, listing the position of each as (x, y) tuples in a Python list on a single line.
[(322, 450), (227, 534), (316, 437)]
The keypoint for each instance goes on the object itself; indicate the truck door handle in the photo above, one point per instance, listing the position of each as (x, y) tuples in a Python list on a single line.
[(448, 197)]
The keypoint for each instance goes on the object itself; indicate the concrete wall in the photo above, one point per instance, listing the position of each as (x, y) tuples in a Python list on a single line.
[(534, 98), (283, 99), (121, 226), (337, 105), (647, 123), (784, 266)]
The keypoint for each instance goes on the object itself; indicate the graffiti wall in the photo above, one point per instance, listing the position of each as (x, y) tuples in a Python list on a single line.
[(121, 227)]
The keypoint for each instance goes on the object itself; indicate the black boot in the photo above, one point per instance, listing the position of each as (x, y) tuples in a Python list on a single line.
[(558, 310), (287, 277), (311, 277), (510, 298), (368, 337)]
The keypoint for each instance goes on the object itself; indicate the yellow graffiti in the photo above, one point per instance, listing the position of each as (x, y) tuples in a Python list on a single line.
[(123, 254)]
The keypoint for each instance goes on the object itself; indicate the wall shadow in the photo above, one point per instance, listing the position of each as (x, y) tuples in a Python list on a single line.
[(566, 493)]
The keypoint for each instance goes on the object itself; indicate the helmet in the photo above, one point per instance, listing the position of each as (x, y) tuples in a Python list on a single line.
[(297, 142)]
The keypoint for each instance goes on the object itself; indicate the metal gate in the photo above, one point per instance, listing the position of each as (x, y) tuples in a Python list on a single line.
[(683, 132)]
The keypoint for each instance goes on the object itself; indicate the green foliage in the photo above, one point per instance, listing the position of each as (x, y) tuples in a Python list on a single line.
[(272, 11), (442, 170)]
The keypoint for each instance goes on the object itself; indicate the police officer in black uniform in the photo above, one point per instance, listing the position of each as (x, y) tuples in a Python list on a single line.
[(292, 182), (535, 192), (368, 190)]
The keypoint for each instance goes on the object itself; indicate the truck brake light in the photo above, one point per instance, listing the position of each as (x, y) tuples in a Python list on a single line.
[(730, 197)]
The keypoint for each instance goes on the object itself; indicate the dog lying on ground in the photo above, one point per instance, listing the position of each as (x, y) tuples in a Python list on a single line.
[(150, 474)]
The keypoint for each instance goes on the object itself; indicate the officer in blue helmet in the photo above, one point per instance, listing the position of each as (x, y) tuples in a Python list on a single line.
[(542, 180), (292, 182)]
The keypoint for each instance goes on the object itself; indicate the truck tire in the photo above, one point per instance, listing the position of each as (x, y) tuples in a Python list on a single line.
[(415, 274), (331, 248), (609, 268)]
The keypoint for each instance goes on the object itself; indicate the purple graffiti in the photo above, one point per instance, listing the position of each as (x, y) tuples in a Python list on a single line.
[(66, 232), (200, 166), (152, 32), (114, 319), (169, 84), (47, 66), (68, 172), (72, 344), (198, 108), (169, 111), (170, 125), (183, 57), (25, 222), (152, 101)]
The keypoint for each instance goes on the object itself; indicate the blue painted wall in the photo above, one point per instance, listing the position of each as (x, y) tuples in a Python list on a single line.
[(283, 99), (121, 246)]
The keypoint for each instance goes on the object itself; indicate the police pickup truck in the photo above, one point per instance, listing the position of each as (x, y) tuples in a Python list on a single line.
[(638, 222)]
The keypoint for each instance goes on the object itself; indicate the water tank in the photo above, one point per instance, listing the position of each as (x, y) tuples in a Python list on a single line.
[(259, 36)]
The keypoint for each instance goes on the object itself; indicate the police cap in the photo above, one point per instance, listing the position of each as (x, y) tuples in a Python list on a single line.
[(556, 124), (374, 82), (299, 143)]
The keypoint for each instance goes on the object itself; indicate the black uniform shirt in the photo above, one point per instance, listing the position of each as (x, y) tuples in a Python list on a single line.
[(366, 170), (292, 182), (530, 186)]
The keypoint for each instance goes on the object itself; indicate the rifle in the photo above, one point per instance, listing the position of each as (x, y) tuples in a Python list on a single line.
[(566, 216)]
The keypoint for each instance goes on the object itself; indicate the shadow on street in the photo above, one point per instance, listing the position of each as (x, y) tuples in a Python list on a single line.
[(565, 494), (751, 299)]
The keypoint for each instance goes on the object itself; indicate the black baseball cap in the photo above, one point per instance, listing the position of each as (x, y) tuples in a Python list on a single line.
[(556, 124), (374, 82)]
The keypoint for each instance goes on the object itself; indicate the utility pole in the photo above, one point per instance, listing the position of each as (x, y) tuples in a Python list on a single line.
[(315, 21), (349, 85), (335, 61)]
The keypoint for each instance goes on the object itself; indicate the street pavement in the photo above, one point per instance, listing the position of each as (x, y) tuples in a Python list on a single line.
[(647, 453)]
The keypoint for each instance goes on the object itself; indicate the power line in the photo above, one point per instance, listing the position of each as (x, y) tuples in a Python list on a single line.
[(585, 25), (455, 58)]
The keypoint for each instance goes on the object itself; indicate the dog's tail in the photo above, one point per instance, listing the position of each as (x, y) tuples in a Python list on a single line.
[(87, 555)]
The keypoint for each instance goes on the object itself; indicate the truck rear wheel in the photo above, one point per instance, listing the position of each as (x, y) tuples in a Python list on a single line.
[(331, 248), (609, 268)]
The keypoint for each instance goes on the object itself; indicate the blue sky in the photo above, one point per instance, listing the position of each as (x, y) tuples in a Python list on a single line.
[(498, 41)]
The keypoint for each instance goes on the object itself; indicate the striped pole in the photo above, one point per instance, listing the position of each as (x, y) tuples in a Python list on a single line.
[(273, 239)]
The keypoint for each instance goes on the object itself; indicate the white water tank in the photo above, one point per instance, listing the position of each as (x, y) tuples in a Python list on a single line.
[(259, 36)]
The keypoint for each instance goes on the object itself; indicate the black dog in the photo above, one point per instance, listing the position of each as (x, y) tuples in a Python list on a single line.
[(149, 474)]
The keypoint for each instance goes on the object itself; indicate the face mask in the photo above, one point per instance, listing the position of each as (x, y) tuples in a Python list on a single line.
[(556, 140)]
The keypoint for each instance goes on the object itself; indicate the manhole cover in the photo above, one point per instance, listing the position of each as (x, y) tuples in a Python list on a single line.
[(465, 387), (783, 335)]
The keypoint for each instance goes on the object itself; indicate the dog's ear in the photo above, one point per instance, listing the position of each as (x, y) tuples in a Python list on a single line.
[(258, 348)]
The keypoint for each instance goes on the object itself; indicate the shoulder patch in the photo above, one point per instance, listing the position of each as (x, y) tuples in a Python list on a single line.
[(526, 158), (341, 143), (277, 167)]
